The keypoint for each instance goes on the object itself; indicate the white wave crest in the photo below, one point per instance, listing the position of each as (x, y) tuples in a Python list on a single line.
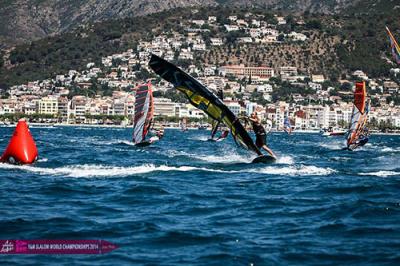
[(333, 145), (201, 138), (102, 170), (38, 126), (115, 171), (382, 173), (126, 142), (389, 149), (232, 158), (115, 142), (296, 170), (285, 160)]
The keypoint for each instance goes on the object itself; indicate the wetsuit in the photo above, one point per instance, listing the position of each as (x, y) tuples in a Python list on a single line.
[(261, 135)]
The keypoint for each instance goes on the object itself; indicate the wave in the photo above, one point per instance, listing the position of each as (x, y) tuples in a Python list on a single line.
[(38, 126), (389, 149), (201, 138), (224, 158), (382, 173), (114, 142), (285, 160), (301, 170), (87, 170), (333, 146), (227, 156), (124, 142)]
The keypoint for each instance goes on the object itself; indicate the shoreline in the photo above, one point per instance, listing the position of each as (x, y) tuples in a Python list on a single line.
[(38, 125)]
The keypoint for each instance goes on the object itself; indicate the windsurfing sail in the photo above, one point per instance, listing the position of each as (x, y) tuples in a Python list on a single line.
[(202, 98), (214, 129), (287, 126), (216, 124), (144, 109), (359, 116), (394, 46)]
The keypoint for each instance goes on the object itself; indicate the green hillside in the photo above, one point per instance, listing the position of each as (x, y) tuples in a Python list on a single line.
[(362, 45)]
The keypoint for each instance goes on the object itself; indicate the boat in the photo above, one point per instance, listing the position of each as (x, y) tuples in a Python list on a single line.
[(331, 131), (358, 133), (202, 127), (394, 47), (202, 98), (144, 111)]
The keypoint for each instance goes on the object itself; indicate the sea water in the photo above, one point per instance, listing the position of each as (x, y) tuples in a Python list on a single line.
[(187, 201)]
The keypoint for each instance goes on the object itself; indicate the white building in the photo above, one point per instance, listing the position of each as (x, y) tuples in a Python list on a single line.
[(265, 88), (212, 19), (164, 107), (230, 28), (233, 106), (48, 105), (216, 41), (199, 47)]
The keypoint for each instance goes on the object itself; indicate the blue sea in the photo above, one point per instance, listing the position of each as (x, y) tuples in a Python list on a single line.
[(187, 201)]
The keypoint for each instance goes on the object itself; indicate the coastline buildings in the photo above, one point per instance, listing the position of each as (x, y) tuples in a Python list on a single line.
[(309, 102), (241, 71)]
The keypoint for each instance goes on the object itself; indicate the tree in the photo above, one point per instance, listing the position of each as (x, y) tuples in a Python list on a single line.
[(143, 74), (346, 86), (314, 24)]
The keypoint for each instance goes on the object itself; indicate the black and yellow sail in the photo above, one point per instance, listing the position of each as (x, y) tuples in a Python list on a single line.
[(204, 99)]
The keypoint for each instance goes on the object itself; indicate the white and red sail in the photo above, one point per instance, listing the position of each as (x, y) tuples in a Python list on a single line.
[(144, 111), (359, 116)]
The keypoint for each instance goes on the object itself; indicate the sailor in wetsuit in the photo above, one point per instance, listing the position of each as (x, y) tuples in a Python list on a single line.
[(261, 135), (224, 134), (158, 136), (363, 138)]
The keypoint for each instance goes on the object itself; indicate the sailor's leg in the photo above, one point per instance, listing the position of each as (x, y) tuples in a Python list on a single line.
[(269, 151)]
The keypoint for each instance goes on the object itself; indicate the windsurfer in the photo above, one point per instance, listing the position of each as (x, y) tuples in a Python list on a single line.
[(363, 137), (287, 127), (261, 135), (224, 134), (158, 136)]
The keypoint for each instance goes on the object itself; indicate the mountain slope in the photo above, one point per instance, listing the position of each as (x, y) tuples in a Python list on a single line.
[(26, 20)]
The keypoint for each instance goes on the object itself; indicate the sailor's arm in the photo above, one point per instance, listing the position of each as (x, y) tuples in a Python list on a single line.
[(255, 120)]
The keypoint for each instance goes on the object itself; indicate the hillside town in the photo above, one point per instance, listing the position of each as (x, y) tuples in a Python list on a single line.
[(74, 98)]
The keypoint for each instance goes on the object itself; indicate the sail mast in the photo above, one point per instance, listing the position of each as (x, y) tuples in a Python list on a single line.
[(394, 46)]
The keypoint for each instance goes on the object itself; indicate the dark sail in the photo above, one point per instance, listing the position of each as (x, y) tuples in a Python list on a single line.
[(204, 99)]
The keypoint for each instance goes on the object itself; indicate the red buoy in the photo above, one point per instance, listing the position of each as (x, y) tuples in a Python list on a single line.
[(22, 148)]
